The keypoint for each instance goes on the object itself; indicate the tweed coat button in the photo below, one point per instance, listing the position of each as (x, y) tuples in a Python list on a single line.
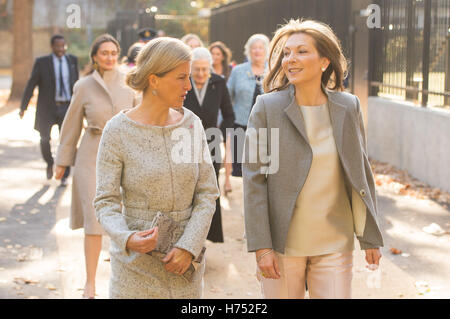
[(362, 192)]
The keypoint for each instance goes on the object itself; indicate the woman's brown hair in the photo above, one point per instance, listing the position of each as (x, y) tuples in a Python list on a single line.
[(226, 52), (96, 46), (327, 45)]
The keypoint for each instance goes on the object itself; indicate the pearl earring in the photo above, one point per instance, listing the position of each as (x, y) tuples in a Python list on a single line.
[(154, 92), (323, 69)]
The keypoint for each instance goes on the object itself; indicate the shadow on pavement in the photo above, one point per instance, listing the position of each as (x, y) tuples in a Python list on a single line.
[(14, 154), (30, 223)]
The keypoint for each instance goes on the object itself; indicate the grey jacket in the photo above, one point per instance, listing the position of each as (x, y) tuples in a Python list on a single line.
[(270, 195)]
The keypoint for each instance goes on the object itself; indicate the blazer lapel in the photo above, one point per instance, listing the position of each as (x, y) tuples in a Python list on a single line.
[(295, 115), (337, 117), (210, 91), (52, 74), (197, 109)]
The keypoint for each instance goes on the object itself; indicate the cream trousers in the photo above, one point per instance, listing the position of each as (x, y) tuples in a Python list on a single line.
[(327, 276)]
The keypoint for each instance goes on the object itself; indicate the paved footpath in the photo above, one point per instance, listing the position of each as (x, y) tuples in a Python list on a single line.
[(40, 257)]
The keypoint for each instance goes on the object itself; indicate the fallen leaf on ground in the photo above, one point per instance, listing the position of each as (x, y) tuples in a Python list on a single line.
[(395, 251), (27, 281), (399, 181), (31, 253), (50, 287), (22, 257), (216, 290), (422, 287)]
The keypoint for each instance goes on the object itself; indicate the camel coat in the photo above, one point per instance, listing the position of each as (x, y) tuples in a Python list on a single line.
[(95, 100)]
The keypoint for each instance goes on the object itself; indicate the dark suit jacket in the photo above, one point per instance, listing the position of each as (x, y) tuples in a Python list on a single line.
[(43, 75), (216, 98)]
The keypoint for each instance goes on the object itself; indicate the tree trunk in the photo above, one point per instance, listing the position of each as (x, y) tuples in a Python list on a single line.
[(22, 60)]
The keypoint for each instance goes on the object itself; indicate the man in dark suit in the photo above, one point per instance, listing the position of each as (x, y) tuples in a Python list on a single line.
[(55, 75)]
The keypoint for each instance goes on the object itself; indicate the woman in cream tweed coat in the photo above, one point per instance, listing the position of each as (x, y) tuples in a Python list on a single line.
[(139, 175)]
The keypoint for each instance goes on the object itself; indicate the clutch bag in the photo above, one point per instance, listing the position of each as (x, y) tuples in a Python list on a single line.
[(169, 232)]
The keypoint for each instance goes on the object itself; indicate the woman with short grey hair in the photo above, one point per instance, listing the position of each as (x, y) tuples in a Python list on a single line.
[(264, 40), (208, 96), (201, 54), (192, 40)]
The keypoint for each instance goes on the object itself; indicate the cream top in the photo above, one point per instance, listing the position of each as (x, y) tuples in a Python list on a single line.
[(322, 222)]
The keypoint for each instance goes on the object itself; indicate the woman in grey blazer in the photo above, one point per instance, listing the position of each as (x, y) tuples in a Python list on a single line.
[(308, 186)]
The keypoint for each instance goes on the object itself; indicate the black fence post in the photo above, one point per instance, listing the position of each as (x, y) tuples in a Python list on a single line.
[(426, 52), (447, 69), (410, 63), (376, 52)]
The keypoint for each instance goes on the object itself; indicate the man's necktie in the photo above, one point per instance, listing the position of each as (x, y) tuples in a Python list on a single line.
[(61, 82)]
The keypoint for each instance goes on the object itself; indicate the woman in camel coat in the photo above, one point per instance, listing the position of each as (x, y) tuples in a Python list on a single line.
[(96, 99)]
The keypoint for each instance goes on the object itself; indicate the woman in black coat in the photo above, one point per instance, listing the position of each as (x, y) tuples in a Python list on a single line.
[(209, 94)]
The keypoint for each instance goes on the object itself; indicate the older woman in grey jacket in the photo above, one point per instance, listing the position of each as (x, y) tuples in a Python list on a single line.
[(140, 175), (305, 201), (244, 85)]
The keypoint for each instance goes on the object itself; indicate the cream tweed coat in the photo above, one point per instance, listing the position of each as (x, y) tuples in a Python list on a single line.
[(95, 100), (137, 176)]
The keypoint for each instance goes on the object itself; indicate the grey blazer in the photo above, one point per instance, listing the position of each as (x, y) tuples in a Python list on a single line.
[(270, 196)]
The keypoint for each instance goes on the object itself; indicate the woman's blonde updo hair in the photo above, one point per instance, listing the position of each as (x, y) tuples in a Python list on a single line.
[(327, 45), (159, 56)]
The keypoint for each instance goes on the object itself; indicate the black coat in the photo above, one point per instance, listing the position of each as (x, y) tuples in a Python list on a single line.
[(216, 97), (43, 75)]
